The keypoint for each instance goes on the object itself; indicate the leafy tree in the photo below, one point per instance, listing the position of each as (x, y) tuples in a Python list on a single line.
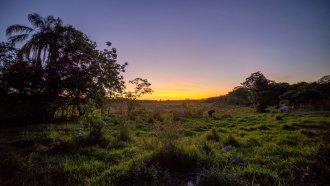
[(142, 87), (74, 71), (275, 91), (258, 86), (38, 37), (324, 80), (238, 96), (7, 54), (314, 95)]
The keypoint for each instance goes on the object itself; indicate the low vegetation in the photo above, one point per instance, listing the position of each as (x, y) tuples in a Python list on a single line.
[(67, 119), (244, 149)]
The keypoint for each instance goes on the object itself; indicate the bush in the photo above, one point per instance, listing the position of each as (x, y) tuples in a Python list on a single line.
[(139, 114), (196, 112), (178, 114), (124, 134), (95, 125), (157, 116)]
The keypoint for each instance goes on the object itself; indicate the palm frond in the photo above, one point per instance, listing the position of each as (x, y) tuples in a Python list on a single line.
[(18, 28), (36, 20), (17, 38), (49, 20)]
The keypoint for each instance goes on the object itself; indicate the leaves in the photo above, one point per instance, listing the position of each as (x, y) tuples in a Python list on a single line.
[(56, 66), (18, 28)]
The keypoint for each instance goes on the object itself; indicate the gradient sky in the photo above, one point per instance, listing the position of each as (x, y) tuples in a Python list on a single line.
[(195, 48)]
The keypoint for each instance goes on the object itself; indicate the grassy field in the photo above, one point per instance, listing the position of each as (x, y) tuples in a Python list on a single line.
[(172, 143)]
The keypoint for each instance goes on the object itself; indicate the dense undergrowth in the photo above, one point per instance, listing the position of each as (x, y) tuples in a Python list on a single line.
[(181, 146)]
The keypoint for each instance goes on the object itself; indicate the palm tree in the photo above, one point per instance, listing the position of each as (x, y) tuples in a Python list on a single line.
[(37, 37)]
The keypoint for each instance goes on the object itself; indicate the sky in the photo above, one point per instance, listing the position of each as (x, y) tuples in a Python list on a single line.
[(192, 49)]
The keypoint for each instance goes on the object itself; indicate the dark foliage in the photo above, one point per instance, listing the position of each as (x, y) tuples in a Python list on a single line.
[(257, 90), (57, 66), (258, 86)]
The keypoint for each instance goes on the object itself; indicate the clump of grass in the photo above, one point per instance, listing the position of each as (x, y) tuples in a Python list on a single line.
[(149, 143), (168, 133), (253, 142), (177, 114), (96, 133), (216, 176), (151, 120), (206, 147), (258, 175), (124, 133), (231, 140), (196, 112), (139, 114), (225, 116), (182, 158), (222, 130), (290, 141), (263, 127), (95, 126), (307, 133), (288, 127), (213, 136), (278, 117), (62, 146), (157, 116), (188, 133)]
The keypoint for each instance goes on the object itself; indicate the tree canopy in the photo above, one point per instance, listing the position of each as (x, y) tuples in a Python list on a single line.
[(260, 92), (258, 85), (55, 66)]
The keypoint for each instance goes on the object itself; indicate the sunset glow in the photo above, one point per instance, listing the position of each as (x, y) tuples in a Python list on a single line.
[(179, 94), (194, 49)]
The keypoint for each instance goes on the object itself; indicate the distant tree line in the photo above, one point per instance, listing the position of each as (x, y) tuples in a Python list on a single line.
[(55, 66), (260, 92)]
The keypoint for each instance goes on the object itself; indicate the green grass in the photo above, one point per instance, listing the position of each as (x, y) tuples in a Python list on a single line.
[(172, 147)]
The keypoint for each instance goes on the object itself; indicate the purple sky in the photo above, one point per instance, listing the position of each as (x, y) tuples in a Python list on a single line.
[(193, 49)]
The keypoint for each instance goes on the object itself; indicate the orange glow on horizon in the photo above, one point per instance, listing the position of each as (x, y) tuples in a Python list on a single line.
[(180, 94), (181, 90)]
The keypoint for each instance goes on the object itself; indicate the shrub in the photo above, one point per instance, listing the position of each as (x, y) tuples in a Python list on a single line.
[(124, 134), (139, 114), (95, 125), (178, 114), (196, 112), (157, 116)]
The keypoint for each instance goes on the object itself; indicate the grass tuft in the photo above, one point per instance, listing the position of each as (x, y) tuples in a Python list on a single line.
[(213, 136)]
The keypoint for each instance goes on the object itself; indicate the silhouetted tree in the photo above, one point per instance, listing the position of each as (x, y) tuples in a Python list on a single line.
[(258, 86), (75, 70), (37, 37), (324, 80), (238, 96), (315, 95), (275, 91), (142, 87)]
